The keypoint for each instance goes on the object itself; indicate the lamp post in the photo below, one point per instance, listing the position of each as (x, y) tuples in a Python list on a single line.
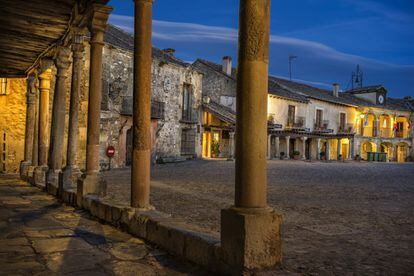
[(291, 57)]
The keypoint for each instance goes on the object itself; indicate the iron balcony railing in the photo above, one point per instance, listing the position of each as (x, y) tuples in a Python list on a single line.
[(368, 131), (322, 126), (401, 134), (297, 122), (157, 110), (386, 132), (346, 129)]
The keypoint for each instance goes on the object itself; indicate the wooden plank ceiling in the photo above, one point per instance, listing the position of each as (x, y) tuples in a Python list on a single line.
[(28, 28)]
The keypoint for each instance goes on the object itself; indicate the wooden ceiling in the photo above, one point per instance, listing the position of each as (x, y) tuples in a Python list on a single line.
[(28, 29)]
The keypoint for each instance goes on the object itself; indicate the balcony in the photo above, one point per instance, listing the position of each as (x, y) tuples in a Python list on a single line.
[(386, 132), (401, 134), (368, 131), (322, 127), (298, 122), (346, 129), (272, 124), (190, 116), (157, 110)]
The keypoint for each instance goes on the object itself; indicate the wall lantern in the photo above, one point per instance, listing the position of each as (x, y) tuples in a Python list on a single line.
[(362, 116)]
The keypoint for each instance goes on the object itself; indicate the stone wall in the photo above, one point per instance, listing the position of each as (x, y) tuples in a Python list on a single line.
[(216, 84), (168, 82), (12, 125)]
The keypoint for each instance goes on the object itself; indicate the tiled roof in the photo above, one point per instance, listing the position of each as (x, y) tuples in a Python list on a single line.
[(366, 89), (278, 91), (391, 103), (312, 92), (218, 68), (116, 37), (222, 112)]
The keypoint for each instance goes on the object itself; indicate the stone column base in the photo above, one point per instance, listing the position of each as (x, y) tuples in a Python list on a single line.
[(70, 175), (40, 176), (30, 174), (90, 184), (52, 181), (250, 239), (24, 167)]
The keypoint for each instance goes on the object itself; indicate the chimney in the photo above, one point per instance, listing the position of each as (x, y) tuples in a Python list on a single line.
[(335, 89), (227, 65), (169, 51)]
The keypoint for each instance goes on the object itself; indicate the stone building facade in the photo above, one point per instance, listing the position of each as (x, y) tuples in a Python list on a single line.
[(306, 122), (175, 110), (12, 123)]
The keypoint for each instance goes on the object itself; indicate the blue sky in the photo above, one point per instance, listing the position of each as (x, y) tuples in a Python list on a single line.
[(330, 37)]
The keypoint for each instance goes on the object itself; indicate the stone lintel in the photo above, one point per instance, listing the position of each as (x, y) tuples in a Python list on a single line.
[(250, 240)]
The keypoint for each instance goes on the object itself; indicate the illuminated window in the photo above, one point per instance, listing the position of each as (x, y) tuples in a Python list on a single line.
[(3, 86)]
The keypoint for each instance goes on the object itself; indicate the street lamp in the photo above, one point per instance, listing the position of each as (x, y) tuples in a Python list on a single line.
[(291, 57)]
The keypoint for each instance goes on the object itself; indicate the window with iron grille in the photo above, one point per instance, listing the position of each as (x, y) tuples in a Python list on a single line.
[(3, 86), (188, 141), (342, 121), (157, 110), (187, 102), (291, 115)]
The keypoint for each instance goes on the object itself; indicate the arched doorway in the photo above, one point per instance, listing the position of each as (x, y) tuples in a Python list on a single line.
[(386, 147), (401, 152), (368, 125), (401, 127), (367, 147), (385, 126)]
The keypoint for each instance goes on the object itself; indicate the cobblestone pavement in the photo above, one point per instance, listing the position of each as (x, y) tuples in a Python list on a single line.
[(39, 236), (339, 218)]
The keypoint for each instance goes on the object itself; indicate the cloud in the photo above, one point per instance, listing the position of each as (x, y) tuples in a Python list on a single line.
[(318, 63)]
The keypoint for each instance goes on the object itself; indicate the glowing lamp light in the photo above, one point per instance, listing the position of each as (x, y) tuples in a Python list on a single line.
[(362, 116)]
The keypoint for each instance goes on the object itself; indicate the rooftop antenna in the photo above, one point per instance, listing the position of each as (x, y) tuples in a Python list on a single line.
[(291, 57), (357, 78)]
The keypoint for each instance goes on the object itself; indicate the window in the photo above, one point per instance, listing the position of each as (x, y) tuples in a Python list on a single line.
[(319, 117), (3, 86), (342, 121), (291, 115), (186, 108), (188, 141)]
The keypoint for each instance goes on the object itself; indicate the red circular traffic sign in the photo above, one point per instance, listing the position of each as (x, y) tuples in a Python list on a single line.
[(110, 151)]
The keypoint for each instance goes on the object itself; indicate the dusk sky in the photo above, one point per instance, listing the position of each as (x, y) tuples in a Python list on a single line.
[(329, 37)]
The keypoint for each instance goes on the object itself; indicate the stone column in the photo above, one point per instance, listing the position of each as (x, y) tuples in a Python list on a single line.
[(287, 156), (338, 148), (231, 146), (351, 149), (318, 149), (141, 154), (277, 147), (250, 230), (93, 183), (35, 151), (30, 125), (328, 150), (43, 133), (269, 147), (57, 134), (304, 147), (71, 172)]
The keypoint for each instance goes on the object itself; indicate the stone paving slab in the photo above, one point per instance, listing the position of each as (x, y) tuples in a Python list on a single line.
[(49, 238), (340, 218)]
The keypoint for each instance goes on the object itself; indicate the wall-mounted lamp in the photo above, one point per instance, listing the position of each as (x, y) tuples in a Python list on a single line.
[(362, 116)]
